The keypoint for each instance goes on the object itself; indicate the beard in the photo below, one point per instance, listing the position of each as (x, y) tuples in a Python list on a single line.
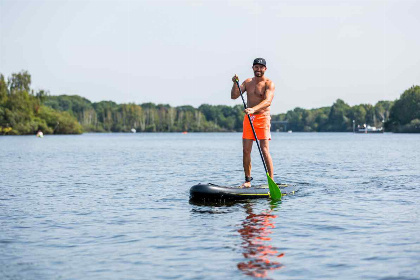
[(258, 73)]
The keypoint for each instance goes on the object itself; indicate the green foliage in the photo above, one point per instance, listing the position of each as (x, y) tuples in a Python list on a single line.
[(3, 90), (412, 127), (224, 117), (405, 113), (59, 122), (22, 112), (20, 82), (338, 118)]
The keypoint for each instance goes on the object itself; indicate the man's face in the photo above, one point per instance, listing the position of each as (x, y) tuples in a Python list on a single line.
[(259, 70)]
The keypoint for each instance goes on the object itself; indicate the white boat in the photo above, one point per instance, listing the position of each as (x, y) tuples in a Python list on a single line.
[(368, 129)]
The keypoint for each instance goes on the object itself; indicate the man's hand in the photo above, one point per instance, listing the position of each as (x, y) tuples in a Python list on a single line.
[(249, 111), (235, 78)]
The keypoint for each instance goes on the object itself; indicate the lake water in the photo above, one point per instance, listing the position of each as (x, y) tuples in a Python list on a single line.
[(116, 206)]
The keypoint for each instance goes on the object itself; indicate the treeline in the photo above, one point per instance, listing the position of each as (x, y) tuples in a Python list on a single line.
[(337, 118), (108, 116), (401, 115), (405, 114), (23, 111)]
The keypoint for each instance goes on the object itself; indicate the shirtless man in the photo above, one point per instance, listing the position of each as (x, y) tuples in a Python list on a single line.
[(260, 93)]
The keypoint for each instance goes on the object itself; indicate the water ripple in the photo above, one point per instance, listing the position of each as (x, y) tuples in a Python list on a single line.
[(116, 206)]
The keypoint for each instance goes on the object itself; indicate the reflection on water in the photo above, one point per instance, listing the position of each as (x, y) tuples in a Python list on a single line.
[(260, 256)]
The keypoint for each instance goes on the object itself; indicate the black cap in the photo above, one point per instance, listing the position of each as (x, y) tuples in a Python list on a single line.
[(260, 60)]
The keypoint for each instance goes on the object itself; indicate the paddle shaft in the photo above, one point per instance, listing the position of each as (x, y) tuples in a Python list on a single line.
[(252, 126)]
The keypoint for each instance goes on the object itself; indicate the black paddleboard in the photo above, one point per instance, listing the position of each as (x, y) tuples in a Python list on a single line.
[(215, 192)]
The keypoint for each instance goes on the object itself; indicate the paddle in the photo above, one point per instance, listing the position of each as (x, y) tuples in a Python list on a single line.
[(275, 192)]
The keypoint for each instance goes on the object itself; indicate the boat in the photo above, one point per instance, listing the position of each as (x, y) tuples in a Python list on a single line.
[(368, 129), (215, 192)]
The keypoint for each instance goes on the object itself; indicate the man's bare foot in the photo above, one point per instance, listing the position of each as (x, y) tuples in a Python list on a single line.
[(246, 185)]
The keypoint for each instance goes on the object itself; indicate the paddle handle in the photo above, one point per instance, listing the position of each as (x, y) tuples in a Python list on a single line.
[(253, 130)]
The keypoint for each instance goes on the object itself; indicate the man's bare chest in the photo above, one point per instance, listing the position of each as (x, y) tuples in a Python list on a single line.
[(257, 90)]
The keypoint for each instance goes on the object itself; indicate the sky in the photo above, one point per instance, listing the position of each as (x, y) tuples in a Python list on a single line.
[(186, 52)]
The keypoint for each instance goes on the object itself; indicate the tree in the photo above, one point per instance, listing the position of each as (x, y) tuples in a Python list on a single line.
[(407, 107), (358, 114), (383, 108), (3, 100), (3, 90), (296, 119), (21, 112), (406, 111), (337, 119), (20, 81)]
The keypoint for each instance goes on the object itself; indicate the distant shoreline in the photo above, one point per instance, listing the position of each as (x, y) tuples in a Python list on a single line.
[(25, 111), (196, 132)]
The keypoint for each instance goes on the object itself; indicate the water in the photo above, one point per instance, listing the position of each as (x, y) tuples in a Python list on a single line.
[(116, 206)]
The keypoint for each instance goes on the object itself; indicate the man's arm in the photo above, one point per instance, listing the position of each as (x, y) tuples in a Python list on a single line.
[(234, 93), (266, 102)]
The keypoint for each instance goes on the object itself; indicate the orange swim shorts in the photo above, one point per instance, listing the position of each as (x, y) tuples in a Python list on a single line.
[(261, 125)]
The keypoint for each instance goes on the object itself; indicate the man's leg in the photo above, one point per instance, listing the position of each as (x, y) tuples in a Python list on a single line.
[(267, 158), (247, 148)]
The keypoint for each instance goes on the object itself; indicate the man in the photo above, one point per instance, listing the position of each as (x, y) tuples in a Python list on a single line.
[(260, 93)]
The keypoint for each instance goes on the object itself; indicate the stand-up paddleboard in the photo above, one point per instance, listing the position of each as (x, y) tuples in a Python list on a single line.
[(215, 192)]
